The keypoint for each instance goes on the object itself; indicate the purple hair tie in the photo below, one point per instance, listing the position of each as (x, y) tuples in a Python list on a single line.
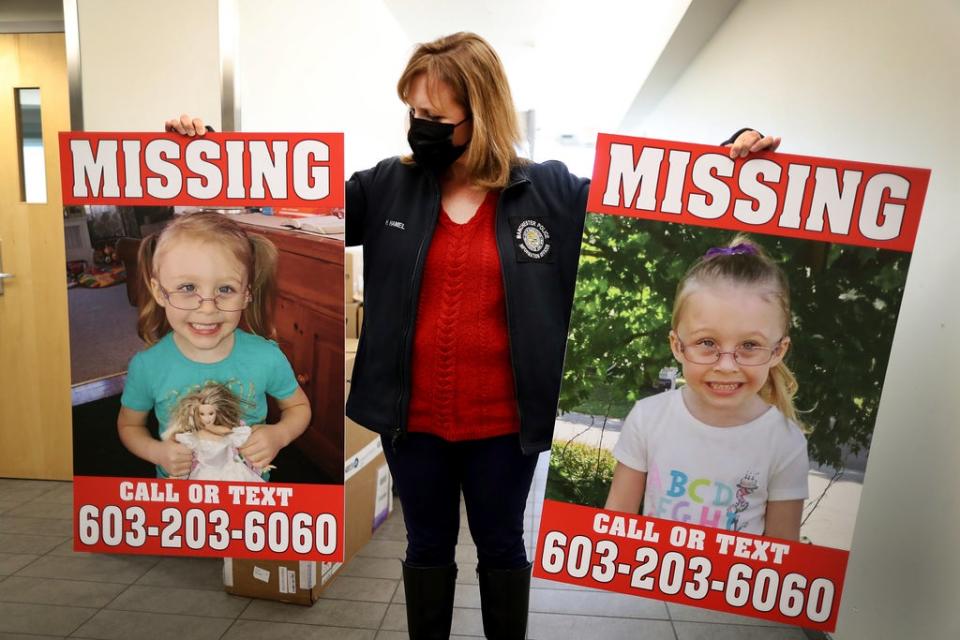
[(735, 250)]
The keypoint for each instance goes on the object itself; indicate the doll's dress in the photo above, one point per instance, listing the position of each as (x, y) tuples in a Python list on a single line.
[(219, 459)]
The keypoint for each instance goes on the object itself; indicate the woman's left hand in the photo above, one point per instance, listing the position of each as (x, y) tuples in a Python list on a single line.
[(751, 141), (262, 446)]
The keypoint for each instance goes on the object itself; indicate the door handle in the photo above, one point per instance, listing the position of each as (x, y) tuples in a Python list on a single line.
[(3, 276)]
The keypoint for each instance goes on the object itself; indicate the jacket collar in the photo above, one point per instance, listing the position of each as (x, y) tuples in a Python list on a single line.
[(519, 173)]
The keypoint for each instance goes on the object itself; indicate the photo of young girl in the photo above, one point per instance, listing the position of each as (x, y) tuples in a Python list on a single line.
[(209, 422), (725, 450), (724, 380), (207, 319)]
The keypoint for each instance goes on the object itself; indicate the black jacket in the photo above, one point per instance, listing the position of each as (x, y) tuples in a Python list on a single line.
[(392, 210)]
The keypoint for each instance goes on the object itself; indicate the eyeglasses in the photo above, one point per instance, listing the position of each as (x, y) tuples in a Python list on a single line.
[(191, 300), (749, 354)]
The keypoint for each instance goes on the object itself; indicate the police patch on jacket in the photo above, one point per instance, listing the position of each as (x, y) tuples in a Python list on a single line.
[(531, 239)]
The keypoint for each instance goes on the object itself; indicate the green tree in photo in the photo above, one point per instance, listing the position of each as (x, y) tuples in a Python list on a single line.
[(580, 474), (845, 301)]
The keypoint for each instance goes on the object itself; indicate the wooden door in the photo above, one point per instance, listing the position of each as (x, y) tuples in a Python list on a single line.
[(35, 429)]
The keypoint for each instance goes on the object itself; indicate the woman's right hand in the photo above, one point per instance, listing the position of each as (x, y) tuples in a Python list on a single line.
[(176, 459), (186, 125)]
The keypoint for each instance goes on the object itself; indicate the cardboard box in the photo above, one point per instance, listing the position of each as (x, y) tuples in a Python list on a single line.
[(292, 581), (367, 482), (349, 277), (369, 495), (352, 313)]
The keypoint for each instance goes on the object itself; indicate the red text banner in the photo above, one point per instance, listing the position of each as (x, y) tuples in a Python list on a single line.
[(791, 582), (218, 169), (795, 196), (221, 519)]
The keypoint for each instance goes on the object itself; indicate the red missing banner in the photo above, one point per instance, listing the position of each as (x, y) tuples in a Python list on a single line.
[(791, 582), (795, 196), (218, 169), (220, 519)]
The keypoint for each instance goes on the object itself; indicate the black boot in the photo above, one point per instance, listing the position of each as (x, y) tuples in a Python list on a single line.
[(504, 601), (429, 592)]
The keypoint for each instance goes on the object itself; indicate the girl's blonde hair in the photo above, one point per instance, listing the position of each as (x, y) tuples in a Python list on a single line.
[(186, 416), (472, 69), (257, 255), (745, 262)]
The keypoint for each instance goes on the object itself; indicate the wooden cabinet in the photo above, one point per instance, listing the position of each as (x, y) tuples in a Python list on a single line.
[(309, 321)]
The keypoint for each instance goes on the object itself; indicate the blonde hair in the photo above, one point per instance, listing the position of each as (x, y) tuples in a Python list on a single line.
[(749, 265), (186, 416), (257, 255), (473, 71)]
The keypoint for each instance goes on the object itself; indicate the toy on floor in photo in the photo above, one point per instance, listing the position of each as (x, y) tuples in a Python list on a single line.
[(208, 421), (106, 270), (74, 270), (95, 277), (106, 255)]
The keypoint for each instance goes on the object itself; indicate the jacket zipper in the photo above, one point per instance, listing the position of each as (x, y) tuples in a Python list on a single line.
[(400, 427), (506, 304)]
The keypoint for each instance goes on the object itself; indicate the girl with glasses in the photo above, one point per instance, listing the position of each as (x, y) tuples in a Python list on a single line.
[(726, 450), (205, 313)]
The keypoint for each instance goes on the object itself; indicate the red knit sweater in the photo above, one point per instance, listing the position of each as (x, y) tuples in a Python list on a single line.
[(462, 379)]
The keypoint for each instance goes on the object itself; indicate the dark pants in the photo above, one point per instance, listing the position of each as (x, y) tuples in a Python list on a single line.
[(495, 478)]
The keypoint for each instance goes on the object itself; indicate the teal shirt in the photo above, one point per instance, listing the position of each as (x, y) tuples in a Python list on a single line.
[(158, 377)]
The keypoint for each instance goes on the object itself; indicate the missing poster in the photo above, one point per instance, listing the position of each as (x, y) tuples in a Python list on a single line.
[(727, 351), (229, 437)]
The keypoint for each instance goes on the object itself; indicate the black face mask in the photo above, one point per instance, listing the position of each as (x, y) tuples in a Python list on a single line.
[(432, 143)]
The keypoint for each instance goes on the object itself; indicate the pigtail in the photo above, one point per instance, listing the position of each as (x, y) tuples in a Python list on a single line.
[(151, 318), (258, 316), (779, 390)]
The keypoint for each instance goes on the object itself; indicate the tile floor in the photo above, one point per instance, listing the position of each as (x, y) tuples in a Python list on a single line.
[(49, 591)]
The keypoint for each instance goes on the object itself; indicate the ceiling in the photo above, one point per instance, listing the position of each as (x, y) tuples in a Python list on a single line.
[(22, 16)]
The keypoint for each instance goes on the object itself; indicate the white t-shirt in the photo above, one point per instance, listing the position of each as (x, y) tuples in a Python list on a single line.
[(718, 477)]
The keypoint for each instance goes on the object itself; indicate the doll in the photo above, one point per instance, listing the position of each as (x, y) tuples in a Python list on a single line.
[(208, 421)]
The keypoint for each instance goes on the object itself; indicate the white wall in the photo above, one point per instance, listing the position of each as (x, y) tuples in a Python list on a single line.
[(873, 81), (324, 66), (143, 62)]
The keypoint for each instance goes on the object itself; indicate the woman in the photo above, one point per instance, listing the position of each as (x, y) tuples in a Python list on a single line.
[(470, 262)]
